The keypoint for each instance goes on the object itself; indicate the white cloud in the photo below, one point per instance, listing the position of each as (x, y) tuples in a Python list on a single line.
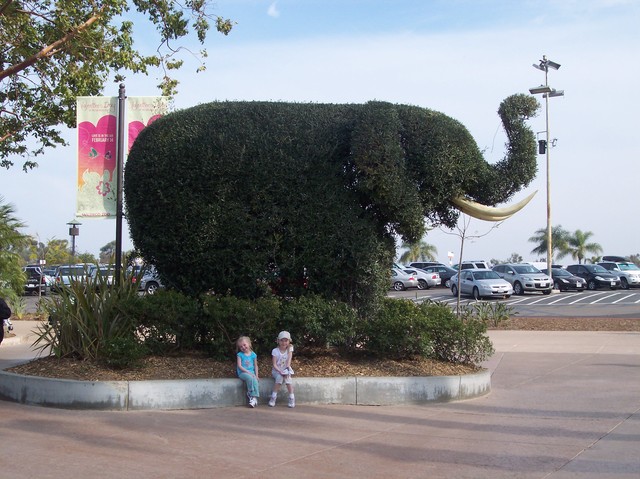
[(273, 10)]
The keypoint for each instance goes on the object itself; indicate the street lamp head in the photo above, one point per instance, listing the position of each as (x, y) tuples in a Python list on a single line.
[(554, 65), (540, 89), (545, 64), (553, 93)]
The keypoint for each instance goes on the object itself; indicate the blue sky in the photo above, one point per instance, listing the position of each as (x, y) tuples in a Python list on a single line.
[(459, 57)]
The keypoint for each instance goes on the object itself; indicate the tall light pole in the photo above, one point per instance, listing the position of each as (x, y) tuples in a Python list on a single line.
[(544, 146)]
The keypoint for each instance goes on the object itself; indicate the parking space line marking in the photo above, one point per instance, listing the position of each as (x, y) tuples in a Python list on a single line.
[(604, 297), (623, 298)]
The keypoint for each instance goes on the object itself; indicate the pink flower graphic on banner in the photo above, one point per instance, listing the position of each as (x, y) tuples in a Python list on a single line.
[(96, 146), (135, 127), (103, 188)]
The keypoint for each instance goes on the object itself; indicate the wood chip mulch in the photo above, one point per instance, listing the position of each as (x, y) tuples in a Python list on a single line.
[(325, 364)]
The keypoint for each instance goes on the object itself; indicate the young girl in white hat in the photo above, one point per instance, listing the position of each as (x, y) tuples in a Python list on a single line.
[(281, 369)]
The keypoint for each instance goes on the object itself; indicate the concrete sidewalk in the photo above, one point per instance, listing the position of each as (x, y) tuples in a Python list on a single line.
[(563, 405)]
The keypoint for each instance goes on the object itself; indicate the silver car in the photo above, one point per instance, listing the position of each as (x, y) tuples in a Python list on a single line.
[(481, 283), (425, 280), (401, 280), (524, 277)]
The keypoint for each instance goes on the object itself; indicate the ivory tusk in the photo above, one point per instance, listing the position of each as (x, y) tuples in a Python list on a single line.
[(489, 213)]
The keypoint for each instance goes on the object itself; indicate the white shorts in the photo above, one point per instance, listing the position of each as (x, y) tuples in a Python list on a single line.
[(280, 378)]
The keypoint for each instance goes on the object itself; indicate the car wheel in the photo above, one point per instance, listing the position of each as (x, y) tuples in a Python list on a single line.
[(476, 294), (624, 283), (153, 287), (398, 286), (517, 288), (507, 296), (422, 284), (447, 283), (454, 290), (592, 285), (546, 291)]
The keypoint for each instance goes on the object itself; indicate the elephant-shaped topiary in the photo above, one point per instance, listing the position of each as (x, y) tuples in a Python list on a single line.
[(242, 197)]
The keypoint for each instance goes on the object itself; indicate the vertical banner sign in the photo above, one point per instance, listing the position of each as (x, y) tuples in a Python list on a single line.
[(97, 140), (97, 126), (141, 112)]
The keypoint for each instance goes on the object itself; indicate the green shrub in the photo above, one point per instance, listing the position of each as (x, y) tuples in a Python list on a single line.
[(168, 321), (315, 322), (454, 339), (123, 352), (228, 317), (83, 317), (490, 313), (400, 329)]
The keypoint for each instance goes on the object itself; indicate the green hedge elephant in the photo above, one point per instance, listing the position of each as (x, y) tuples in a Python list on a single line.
[(247, 197)]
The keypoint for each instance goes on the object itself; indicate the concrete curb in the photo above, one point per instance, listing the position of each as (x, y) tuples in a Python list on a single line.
[(212, 393)]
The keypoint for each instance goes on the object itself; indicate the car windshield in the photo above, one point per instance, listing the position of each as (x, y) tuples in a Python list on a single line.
[(628, 267), (595, 268), (561, 272), (71, 271), (527, 268), (486, 275)]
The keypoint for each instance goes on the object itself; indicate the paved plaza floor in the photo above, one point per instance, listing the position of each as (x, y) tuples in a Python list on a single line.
[(563, 405)]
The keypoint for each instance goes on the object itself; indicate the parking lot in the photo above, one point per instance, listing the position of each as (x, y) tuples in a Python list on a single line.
[(601, 303)]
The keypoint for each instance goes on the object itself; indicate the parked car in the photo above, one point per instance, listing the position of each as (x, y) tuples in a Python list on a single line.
[(445, 273), (67, 273), (481, 283), (148, 279), (563, 280), (524, 277), (595, 276), (105, 272), (628, 272), (424, 264), (473, 264), (425, 280), (401, 280), (36, 282)]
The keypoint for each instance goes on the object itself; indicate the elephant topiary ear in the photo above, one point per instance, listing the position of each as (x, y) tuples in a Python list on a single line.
[(381, 177)]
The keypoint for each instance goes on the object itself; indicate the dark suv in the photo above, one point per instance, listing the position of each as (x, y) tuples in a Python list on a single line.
[(36, 280), (595, 276)]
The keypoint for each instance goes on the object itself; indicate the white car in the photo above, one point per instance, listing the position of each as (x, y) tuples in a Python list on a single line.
[(425, 280), (401, 280), (629, 273), (481, 283)]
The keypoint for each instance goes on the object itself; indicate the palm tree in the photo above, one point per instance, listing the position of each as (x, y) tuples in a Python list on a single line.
[(559, 240), (12, 242), (579, 246), (420, 251)]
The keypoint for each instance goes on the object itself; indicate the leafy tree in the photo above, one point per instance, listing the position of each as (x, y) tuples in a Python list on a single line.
[(54, 51), (11, 243), (514, 258), (58, 252), (107, 252), (559, 239), (634, 258), (418, 251), (86, 257), (579, 245)]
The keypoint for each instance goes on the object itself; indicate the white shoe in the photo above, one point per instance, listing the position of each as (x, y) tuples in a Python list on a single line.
[(272, 402), (292, 402), (253, 402)]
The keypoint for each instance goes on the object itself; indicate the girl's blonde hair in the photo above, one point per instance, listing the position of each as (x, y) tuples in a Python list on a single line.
[(243, 338)]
